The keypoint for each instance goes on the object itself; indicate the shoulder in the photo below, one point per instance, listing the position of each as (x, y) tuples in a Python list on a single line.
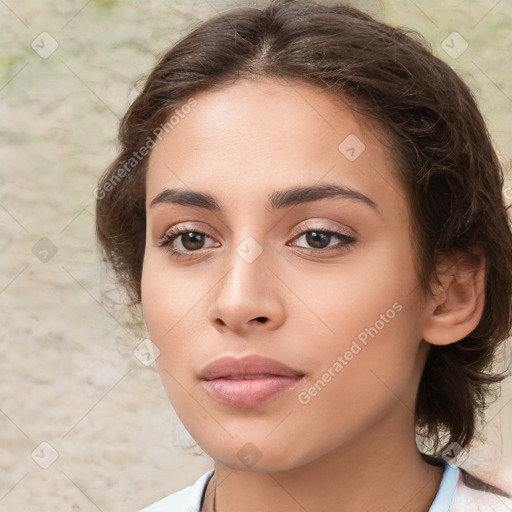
[(472, 494), (460, 491), (185, 500)]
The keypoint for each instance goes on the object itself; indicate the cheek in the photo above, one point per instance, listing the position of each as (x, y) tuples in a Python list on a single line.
[(167, 296), (156, 299), (165, 308), (366, 292), (174, 309), (372, 312), (165, 315)]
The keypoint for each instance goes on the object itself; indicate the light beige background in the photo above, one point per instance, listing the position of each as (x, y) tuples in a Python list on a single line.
[(69, 377)]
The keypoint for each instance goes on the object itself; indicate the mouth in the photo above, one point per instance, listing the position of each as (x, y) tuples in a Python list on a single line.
[(249, 381)]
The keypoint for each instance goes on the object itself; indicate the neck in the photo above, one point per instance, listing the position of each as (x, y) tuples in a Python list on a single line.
[(382, 470)]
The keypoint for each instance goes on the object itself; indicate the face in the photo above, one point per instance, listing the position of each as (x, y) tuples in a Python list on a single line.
[(321, 281)]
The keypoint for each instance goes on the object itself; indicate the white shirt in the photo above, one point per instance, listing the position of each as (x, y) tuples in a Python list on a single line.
[(454, 495)]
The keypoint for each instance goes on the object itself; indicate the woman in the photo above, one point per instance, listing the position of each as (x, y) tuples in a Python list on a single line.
[(309, 210)]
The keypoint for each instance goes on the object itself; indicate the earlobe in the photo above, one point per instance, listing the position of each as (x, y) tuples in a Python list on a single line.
[(457, 306)]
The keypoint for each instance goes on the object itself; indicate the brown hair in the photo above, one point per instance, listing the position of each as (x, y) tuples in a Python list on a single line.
[(444, 155)]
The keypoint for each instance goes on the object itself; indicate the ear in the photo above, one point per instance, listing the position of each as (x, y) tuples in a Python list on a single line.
[(455, 309)]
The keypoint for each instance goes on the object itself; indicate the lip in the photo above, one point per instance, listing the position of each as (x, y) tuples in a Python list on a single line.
[(248, 381)]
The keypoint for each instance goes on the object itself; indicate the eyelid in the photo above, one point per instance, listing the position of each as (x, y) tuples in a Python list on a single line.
[(305, 226), (184, 227)]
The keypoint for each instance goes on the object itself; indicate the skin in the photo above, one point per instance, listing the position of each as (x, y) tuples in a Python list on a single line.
[(352, 446)]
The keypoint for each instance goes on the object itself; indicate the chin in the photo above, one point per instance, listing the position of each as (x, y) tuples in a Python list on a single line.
[(257, 456), (261, 466)]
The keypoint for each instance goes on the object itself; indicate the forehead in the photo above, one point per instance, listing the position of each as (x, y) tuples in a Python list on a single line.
[(256, 136)]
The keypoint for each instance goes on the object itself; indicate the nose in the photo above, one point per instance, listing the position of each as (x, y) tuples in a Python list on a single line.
[(248, 298)]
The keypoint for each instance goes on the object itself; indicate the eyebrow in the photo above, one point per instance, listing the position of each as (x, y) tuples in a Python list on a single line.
[(276, 200)]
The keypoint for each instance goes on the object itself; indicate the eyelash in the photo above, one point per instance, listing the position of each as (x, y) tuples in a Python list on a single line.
[(166, 243)]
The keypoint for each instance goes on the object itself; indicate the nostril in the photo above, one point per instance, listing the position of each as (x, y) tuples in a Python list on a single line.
[(261, 319)]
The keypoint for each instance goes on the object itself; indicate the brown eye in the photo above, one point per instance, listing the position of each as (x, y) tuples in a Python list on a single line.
[(183, 242), (319, 241), (192, 240)]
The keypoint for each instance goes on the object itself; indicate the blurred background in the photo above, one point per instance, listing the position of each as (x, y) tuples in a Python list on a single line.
[(85, 423)]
